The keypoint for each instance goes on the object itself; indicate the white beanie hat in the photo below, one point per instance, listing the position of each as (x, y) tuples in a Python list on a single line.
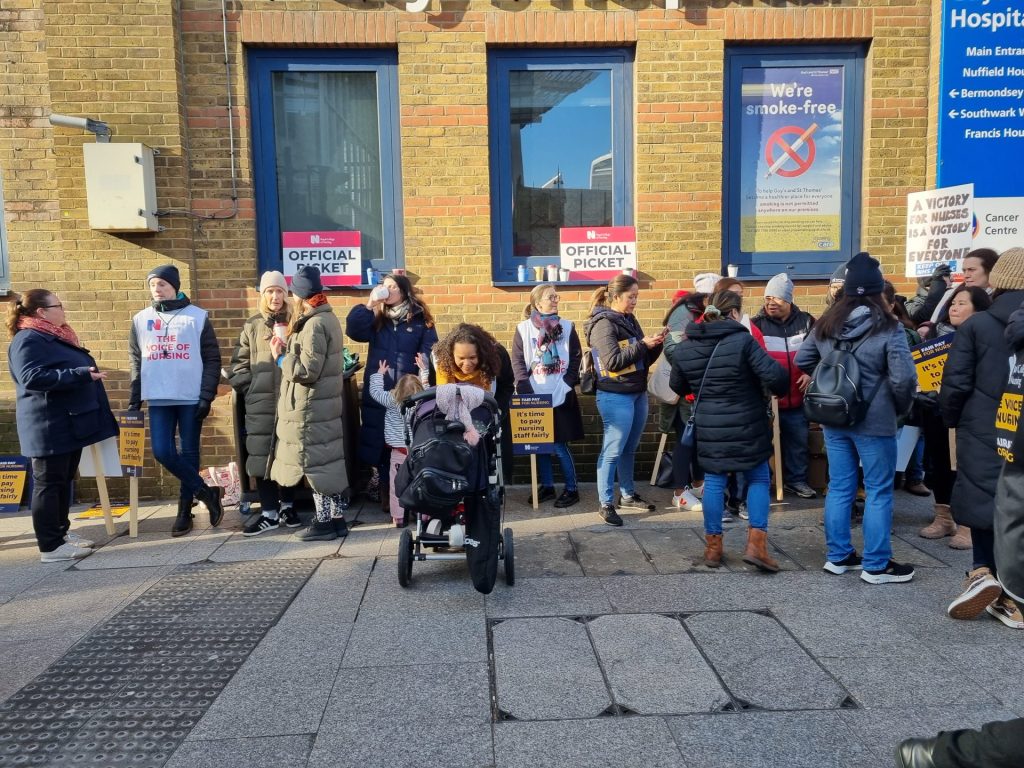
[(781, 287), (273, 279), (705, 282)]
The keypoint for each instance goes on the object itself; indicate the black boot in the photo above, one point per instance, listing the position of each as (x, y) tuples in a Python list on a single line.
[(340, 526), (183, 522), (210, 496), (916, 753), (319, 531)]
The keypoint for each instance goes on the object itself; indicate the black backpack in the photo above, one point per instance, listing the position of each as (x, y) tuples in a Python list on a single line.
[(436, 475), (834, 397)]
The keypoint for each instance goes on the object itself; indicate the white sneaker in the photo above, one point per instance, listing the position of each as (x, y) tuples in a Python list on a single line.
[(78, 541), (697, 491), (65, 552), (687, 500)]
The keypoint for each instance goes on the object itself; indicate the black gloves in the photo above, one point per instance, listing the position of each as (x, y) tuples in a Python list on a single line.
[(927, 401), (134, 406), (202, 410), (939, 277)]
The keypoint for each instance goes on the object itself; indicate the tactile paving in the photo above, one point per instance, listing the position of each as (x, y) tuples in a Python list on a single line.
[(131, 690)]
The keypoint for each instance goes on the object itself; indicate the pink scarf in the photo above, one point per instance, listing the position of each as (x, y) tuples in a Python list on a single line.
[(62, 332), (458, 402)]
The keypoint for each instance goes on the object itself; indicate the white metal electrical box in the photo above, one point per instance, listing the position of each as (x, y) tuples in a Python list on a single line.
[(120, 187)]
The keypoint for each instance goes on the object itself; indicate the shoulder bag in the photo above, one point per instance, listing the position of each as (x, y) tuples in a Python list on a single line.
[(689, 436)]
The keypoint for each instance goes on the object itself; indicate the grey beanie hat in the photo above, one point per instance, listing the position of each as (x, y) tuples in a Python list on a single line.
[(781, 287)]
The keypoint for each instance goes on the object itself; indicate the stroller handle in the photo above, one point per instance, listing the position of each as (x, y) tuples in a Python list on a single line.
[(430, 394)]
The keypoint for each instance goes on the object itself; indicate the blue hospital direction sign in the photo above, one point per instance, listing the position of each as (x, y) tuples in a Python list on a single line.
[(981, 97)]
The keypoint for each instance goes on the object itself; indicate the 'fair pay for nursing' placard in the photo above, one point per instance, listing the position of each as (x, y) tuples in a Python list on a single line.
[(939, 228), (533, 424), (338, 255), (597, 253)]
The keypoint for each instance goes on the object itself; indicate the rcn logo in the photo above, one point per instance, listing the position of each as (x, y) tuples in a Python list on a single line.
[(153, 325), (314, 239)]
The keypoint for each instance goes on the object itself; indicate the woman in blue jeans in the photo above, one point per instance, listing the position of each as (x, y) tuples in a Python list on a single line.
[(623, 355), (887, 382), (721, 364)]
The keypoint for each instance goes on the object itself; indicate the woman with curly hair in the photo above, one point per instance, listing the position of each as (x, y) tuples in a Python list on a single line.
[(468, 355)]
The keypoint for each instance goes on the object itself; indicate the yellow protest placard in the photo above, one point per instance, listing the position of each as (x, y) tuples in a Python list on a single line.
[(13, 470), (131, 444), (930, 359), (533, 424)]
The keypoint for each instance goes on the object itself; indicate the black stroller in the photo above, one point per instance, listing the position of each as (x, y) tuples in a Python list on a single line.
[(453, 492)]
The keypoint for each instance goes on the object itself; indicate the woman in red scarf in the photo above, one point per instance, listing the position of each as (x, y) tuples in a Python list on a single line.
[(61, 408)]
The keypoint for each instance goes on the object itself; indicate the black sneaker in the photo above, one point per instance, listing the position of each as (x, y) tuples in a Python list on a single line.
[(893, 573), (262, 525), (635, 502), (609, 515), (801, 489), (544, 493), (319, 531), (567, 499), (290, 518), (849, 563)]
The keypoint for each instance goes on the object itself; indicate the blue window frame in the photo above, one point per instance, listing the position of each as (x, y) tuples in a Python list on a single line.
[(326, 151), (561, 144), (792, 159)]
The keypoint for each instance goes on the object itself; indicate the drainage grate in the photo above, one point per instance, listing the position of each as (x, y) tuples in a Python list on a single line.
[(131, 690)]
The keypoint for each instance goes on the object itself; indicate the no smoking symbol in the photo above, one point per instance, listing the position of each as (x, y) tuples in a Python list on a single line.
[(776, 160)]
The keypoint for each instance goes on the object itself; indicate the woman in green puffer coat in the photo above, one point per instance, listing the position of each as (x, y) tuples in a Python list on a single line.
[(310, 433)]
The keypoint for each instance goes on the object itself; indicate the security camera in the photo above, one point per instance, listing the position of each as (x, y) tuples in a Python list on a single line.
[(97, 127)]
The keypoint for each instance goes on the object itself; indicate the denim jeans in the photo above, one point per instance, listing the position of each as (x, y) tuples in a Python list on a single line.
[(878, 455), (793, 432), (623, 416), (544, 470), (758, 502), (183, 462)]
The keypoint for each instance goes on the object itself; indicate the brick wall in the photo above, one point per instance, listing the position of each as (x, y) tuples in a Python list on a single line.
[(155, 71)]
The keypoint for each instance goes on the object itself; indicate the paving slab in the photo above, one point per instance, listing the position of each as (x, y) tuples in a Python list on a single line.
[(548, 597), (834, 629), (653, 666), (270, 752), (673, 550), (760, 662), (610, 553), (150, 549), (546, 669), (546, 554), (431, 714), (422, 638), (674, 593), (608, 742), (803, 545), (770, 739), (437, 587)]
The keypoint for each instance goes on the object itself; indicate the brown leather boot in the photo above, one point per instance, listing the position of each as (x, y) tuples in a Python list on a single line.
[(757, 551), (713, 550), (941, 526), (961, 539)]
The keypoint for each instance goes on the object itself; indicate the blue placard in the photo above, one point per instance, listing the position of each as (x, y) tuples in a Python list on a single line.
[(981, 97)]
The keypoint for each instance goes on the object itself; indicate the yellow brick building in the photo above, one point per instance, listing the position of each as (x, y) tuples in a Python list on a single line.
[(155, 71)]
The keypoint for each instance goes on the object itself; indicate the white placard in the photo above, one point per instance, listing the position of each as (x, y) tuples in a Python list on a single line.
[(109, 455), (939, 228)]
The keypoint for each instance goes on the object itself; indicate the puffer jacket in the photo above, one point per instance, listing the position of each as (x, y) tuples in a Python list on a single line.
[(887, 374), (257, 378), (617, 338), (58, 407), (973, 380), (397, 343), (783, 341), (734, 431), (310, 437), (1008, 520)]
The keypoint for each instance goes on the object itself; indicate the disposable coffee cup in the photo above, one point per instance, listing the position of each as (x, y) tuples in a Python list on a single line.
[(538, 274), (733, 270), (281, 330), (379, 293), (563, 275), (552, 273)]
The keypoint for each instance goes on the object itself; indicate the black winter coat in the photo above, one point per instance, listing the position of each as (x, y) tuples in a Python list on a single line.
[(1008, 523), (734, 431), (59, 408), (397, 343), (972, 386), (618, 340)]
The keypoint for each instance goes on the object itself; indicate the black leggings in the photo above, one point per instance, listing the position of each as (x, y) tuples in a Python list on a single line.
[(996, 745), (940, 476), (983, 542)]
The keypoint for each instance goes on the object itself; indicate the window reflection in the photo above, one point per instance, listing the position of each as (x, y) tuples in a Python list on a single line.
[(328, 154), (561, 155)]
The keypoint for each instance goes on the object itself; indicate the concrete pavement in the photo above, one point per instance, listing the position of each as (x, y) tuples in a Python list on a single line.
[(612, 649)]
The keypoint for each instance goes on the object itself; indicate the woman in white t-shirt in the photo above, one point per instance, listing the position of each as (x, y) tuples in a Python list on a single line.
[(546, 356)]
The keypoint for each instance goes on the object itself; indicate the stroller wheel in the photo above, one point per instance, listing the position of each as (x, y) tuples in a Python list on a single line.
[(405, 558), (509, 557)]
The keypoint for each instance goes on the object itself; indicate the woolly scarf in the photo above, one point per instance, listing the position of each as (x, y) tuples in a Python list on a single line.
[(316, 300), (477, 378), (62, 332), (546, 359), (397, 313), (458, 402)]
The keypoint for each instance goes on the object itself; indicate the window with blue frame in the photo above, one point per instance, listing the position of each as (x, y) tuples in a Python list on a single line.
[(792, 159), (561, 140), (326, 162)]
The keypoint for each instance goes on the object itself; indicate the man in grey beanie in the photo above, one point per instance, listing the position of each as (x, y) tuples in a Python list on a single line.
[(784, 326)]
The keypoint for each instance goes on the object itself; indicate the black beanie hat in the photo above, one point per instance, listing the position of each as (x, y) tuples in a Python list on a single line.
[(166, 272), (863, 276), (307, 283)]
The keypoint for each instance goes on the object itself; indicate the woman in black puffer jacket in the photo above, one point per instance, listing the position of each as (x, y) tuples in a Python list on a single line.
[(734, 432)]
